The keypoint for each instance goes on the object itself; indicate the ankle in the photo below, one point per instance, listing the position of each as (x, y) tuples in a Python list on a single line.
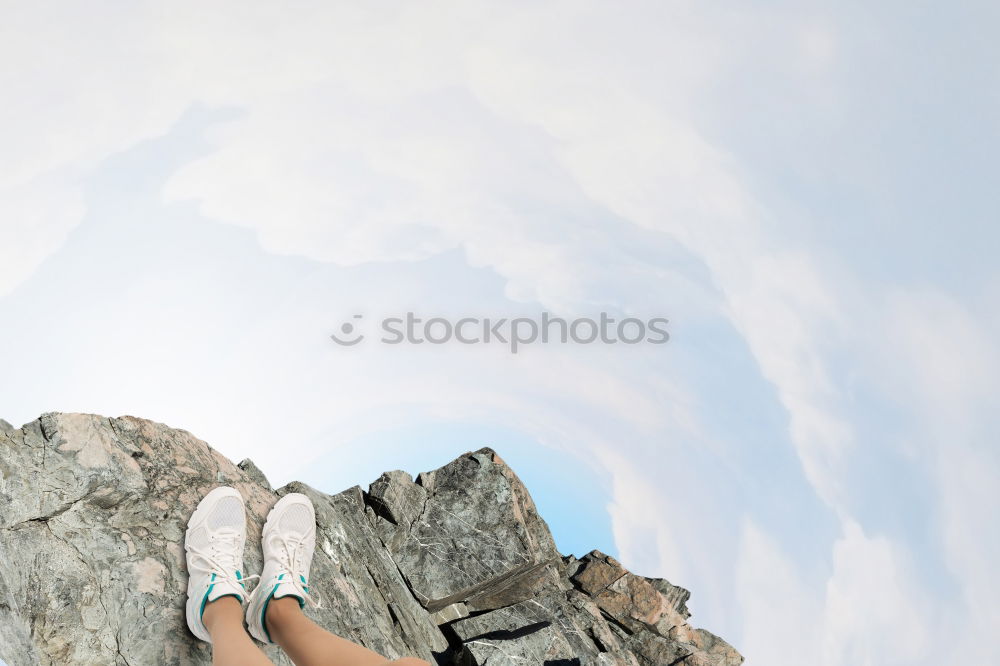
[(222, 611), (280, 612)]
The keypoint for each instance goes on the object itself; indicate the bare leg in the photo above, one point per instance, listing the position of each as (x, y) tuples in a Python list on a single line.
[(231, 644), (309, 645)]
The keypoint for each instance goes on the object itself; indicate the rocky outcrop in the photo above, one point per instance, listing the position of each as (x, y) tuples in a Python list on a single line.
[(455, 567)]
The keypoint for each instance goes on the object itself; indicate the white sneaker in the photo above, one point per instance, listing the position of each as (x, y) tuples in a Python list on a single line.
[(214, 544), (288, 541)]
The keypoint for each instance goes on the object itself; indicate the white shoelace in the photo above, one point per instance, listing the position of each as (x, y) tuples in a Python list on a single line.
[(221, 561), (291, 551)]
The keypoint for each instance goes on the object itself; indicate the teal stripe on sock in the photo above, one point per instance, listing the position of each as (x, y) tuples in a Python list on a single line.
[(204, 601), (263, 611)]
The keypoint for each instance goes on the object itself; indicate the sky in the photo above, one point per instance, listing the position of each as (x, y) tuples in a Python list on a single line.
[(194, 197)]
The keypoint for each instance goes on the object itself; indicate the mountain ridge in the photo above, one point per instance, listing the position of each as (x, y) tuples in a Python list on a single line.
[(455, 566)]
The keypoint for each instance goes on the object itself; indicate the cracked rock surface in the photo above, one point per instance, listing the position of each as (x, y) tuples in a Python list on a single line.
[(455, 567)]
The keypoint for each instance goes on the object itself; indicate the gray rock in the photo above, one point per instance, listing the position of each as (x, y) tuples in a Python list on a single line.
[(653, 650), (460, 529), (712, 651), (254, 473), (456, 567), (450, 613), (650, 614), (550, 626), (526, 632)]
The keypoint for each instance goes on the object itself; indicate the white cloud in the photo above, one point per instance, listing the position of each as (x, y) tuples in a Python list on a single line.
[(76, 90), (495, 131), (940, 360), (875, 614), (334, 125), (870, 610), (779, 609), (35, 218)]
